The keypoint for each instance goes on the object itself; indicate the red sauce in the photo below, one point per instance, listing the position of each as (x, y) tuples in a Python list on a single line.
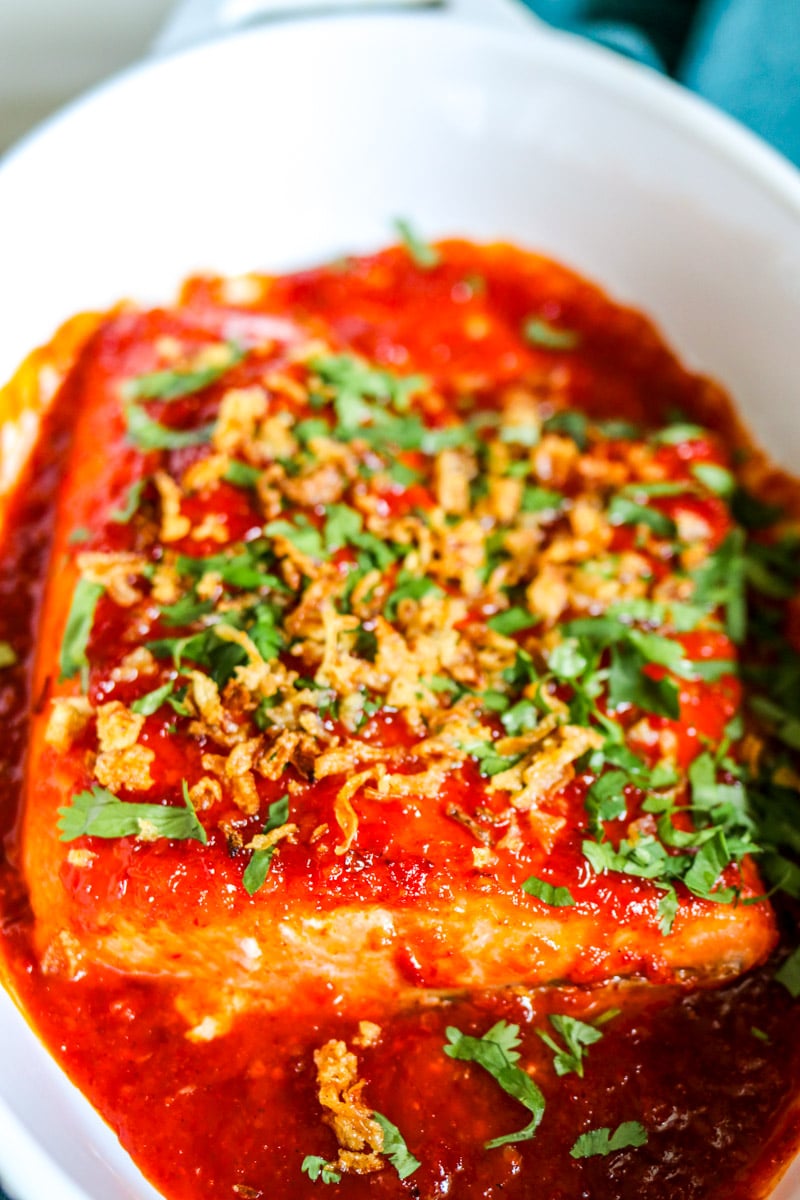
[(236, 1116)]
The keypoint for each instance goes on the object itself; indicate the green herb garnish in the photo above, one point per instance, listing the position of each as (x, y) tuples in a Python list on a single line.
[(604, 1142), (256, 871), (99, 813), (423, 254), (395, 1148), (78, 628), (317, 1168), (541, 333), (496, 1053), (577, 1036), (182, 381), (540, 889)]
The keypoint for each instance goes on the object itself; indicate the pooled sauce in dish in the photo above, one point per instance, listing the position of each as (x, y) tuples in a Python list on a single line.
[(401, 698)]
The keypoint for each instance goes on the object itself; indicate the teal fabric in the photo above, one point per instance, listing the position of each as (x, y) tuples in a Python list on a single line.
[(743, 55)]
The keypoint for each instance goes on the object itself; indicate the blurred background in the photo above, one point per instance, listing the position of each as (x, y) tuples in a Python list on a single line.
[(51, 50), (742, 55)]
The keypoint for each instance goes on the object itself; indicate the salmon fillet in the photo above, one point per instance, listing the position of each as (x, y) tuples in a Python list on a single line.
[(373, 676)]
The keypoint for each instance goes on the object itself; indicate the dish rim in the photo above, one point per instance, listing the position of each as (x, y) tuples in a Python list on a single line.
[(30, 1167)]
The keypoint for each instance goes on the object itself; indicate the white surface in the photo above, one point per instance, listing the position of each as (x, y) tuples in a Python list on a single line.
[(301, 142), (50, 50)]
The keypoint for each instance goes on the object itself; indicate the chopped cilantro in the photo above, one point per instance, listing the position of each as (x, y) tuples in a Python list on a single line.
[(760, 1034), (719, 582), (395, 1148), (183, 381), (539, 499), (78, 628), (605, 799), (516, 719), (538, 332), (149, 703), (521, 435), (617, 430), (304, 536), (512, 620), (256, 871), (678, 432), (409, 586), (788, 973), (147, 434), (422, 254), (566, 660), (577, 1035), (99, 813), (628, 684), (717, 479), (78, 535), (556, 897), (317, 1168), (241, 474), (604, 1142), (402, 475), (342, 525), (624, 511), (496, 1052), (121, 516), (571, 424)]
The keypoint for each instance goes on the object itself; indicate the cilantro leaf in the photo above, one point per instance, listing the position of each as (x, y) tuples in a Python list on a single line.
[(147, 434), (709, 863), (121, 516), (719, 582), (304, 536), (571, 424), (628, 684), (678, 432), (566, 661), (343, 524), (714, 477), (604, 1142), (317, 1168), (78, 628), (496, 1053), (256, 871), (788, 973), (99, 813), (149, 703), (624, 511), (540, 889), (577, 1036), (395, 1148), (539, 499), (605, 799), (409, 586), (422, 254), (241, 474), (512, 620), (183, 381), (538, 332)]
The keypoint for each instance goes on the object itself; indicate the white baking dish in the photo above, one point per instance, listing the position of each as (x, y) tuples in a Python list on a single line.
[(289, 145)]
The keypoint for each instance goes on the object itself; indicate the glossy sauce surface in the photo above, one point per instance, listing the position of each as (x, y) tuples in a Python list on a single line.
[(236, 1116)]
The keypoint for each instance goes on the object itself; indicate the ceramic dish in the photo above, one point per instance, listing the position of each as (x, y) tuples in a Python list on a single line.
[(290, 145)]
